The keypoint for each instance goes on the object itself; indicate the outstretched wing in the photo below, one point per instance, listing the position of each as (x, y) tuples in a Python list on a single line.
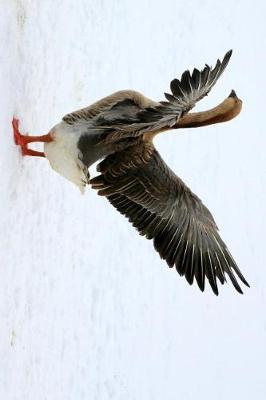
[(186, 92), (128, 113), (138, 183)]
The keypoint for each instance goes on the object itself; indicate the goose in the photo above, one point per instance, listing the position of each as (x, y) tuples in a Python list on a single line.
[(118, 131)]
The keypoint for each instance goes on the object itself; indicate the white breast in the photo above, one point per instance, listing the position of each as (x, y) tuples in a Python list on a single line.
[(63, 154)]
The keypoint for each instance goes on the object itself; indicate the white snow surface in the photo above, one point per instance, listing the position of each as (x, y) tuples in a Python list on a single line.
[(87, 308)]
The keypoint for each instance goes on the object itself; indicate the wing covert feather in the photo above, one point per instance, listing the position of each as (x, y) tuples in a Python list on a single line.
[(119, 107)]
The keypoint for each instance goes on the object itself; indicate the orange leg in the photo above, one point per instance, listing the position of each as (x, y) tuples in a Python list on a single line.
[(24, 140)]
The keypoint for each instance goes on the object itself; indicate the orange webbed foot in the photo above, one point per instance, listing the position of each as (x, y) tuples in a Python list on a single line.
[(24, 140)]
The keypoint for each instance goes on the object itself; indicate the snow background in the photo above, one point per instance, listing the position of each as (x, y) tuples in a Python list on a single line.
[(87, 308)]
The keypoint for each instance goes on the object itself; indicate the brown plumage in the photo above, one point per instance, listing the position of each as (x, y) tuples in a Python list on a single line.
[(133, 177)]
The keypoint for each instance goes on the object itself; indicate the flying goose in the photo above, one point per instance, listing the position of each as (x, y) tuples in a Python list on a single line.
[(119, 130)]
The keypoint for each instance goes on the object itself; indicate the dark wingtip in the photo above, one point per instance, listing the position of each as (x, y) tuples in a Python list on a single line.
[(226, 58), (227, 55), (245, 282)]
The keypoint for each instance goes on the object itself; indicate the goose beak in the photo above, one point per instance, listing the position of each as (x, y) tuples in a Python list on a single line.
[(233, 95)]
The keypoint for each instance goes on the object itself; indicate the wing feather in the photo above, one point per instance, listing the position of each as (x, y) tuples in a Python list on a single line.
[(138, 183), (128, 113), (119, 108), (185, 93)]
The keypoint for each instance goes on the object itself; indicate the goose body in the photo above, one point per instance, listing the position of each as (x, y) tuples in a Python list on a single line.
[(119, 130), (64, 155)]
